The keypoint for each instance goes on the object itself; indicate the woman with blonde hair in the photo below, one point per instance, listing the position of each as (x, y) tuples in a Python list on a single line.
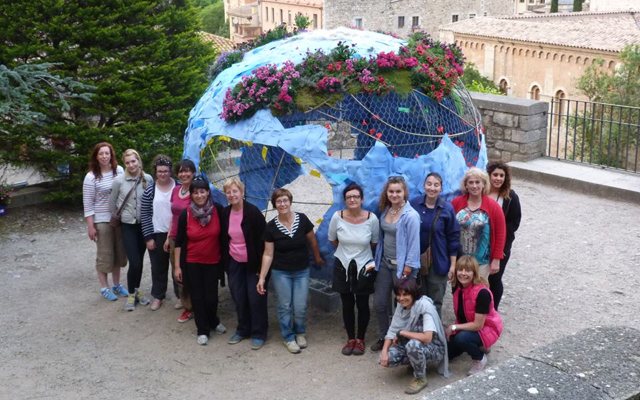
[(482, 226), (126, 200), (500, 178), (398, 251), (478, 325), (241, 236), (96, 191)]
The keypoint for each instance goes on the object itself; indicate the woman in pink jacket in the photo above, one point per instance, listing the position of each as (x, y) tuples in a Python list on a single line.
[(478, 325)]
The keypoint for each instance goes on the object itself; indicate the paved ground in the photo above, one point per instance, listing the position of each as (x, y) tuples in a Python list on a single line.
[(574, 265)]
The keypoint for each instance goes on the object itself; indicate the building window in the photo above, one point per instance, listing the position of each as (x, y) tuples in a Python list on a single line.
[(531, 1), (485, 14), (289, 17), (504, 86), (315, 21), (273, 15), (521, 1), (400, 22), (358, 23), (455, 17), (266, 13), (472, 15), (535, 92), (415, 22), (281, 16)]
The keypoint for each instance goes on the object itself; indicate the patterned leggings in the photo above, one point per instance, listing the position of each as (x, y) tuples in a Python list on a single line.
[(417, 354)]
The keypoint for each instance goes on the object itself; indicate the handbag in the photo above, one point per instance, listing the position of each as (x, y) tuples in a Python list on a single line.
[(426, 258), (115, 220)]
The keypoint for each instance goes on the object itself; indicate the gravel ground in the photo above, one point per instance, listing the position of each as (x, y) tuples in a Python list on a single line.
[(573, 266)]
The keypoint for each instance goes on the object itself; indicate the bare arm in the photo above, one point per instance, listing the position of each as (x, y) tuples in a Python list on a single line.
[(267, 260), (311, 238)]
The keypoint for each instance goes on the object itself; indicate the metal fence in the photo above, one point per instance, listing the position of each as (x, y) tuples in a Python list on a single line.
[(601, 134)]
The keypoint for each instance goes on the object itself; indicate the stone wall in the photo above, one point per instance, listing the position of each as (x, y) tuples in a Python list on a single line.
[(516, 129), (383, 15)]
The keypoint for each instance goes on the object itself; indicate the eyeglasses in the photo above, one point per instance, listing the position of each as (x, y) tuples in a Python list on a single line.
[(282, 201), (353, 197)]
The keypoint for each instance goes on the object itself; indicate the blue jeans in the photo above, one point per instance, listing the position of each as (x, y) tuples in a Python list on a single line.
[(465, 342), (292, 289)]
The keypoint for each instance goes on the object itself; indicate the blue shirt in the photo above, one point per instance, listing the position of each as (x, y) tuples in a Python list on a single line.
[(446, 234), (407, 240)]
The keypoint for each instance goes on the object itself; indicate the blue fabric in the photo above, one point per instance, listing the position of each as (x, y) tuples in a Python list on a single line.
[(445, 237), (407, 241), (290, 136)]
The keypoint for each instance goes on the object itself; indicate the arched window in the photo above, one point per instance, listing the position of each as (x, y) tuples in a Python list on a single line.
[(504, 86), (535, 92), (561, 106)]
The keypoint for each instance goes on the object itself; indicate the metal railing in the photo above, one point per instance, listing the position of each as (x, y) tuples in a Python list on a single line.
[(601, 134)]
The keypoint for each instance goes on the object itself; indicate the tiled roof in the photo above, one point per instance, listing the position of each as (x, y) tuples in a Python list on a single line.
[(219, 42), (608, 31)]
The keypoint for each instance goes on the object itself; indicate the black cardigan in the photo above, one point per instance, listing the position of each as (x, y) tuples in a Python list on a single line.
[(512, 216), (253, 224)]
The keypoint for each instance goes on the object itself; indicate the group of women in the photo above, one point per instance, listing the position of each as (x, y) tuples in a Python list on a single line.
[(411, 249)]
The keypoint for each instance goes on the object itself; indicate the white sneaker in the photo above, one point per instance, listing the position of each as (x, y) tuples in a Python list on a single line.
[(178, 305), (292, 346), (221, 329), (477, 365), (301, 340), (203, 340)]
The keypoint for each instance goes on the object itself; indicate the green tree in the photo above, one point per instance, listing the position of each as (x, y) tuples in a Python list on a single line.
[(213, 19), (554, 6), (144, 59), (610, 132), (302, 22), (577, 5), (474, 81)]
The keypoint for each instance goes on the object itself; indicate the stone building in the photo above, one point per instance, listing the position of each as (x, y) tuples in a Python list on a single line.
[(404, 16), (542, 56), (244, 19), (277, 12), (613, 5)]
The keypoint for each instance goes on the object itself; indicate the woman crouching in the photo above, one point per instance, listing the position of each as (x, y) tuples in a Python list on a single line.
[(478, 325), (416, 336)]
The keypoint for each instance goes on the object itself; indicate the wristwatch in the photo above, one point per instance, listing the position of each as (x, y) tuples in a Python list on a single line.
[(453, 328)]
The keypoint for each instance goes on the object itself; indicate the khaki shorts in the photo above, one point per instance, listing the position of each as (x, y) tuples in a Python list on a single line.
[(110, 252)]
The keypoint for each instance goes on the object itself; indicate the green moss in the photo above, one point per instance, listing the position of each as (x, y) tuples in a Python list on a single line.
[(308, 98), (400, 79)]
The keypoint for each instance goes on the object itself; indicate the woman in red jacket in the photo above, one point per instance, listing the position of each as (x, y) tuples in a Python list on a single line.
[(482, 226), (478, 325)]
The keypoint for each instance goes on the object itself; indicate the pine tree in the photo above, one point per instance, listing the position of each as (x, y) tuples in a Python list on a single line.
[(144, 59), (554, 6)]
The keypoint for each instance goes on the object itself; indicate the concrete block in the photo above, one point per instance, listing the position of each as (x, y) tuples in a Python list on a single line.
[(322, 296), (494, 155), (596, 363), (534, 148), (495, 132), (508, 146), (509, 105), (504, 119), (537, 121)]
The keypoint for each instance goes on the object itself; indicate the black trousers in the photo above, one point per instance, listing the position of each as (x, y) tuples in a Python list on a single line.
[(495, 281), (160, 268), (349, 301), (202, 281), (251, 307)]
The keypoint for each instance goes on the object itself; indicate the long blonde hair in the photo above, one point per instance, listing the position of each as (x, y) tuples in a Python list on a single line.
[(132, 152)]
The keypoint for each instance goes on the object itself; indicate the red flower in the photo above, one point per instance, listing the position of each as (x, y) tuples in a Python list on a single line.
[(440, 129), (372, 131), (379, 135), (364, 122), (328, 126)]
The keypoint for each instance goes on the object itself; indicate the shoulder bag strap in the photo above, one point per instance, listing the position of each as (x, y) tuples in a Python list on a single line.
[(127, 197)]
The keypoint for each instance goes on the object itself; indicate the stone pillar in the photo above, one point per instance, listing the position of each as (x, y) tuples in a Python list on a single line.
[(516, 129)]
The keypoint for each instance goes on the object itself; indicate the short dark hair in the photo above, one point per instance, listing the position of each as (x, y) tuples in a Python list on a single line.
[(161, 160), (279, 193), (350, 187), (185, 164), (435, 175), (409, 286), (199, 183)]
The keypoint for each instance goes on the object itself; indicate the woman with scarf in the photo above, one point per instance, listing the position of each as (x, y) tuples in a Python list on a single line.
[(416, 336), (198, 253)]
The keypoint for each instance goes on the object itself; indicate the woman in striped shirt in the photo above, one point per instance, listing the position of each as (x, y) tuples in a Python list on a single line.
[(96, 190)]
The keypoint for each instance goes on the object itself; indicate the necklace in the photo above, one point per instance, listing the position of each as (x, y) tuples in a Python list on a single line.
[(395, 211), (183, 192)]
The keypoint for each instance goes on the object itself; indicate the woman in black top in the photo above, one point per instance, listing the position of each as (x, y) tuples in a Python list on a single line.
[(500, 178), (286, 254)]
